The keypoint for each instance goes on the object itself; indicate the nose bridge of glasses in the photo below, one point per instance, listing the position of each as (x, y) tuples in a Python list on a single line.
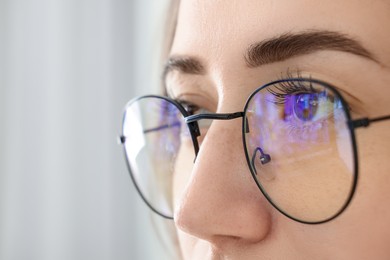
[(213, 116), (193, 119), (192, 122)]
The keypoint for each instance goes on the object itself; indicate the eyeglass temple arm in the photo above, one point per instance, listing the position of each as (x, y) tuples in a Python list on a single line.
[(122, 138), (364, 122)]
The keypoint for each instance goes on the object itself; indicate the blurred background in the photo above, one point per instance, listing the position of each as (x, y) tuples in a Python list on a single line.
[(67, 68)]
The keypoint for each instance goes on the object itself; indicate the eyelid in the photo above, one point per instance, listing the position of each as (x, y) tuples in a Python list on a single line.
[(200, 100), (188, 106), (355, 105)]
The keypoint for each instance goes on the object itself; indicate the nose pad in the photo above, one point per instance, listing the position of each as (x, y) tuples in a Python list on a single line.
[(264, 158), (195, 133), (246, 129)]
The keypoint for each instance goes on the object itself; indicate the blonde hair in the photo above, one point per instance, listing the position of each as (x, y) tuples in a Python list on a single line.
[(169, 35), (165, 228)]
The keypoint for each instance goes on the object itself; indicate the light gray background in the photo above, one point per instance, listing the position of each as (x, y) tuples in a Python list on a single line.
[(67, 68)]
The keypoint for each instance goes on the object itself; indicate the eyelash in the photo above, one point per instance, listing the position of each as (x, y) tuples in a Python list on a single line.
[(288, 88), (284, 89), (189, 107)]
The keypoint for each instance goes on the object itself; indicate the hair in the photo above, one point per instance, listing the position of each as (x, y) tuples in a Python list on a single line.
[(165, 229), (169, 35)]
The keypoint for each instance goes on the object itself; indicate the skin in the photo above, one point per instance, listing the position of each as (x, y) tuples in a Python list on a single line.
[(220, 212)]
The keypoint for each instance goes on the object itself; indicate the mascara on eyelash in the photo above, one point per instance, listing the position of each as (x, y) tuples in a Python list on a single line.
[(290, 87)]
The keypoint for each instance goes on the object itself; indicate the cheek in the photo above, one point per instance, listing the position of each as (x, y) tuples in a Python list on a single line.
[(362, 231), (366, 221), (374, 164), (192, 247), (371, 204), (374, 153)]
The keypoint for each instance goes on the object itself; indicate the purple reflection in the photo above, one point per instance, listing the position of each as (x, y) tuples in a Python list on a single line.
[(305, 105), (168, 127), (294, 122)]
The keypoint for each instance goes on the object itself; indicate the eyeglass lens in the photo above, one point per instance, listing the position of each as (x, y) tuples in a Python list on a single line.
[(296, 138), (301, 127)]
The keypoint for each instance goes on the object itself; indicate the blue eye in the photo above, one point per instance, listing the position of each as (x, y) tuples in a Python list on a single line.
[(302, 111), (305, 106)]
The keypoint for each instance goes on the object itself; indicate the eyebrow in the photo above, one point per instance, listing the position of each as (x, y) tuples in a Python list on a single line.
[(189, 65), (289, 45), (278, 49)]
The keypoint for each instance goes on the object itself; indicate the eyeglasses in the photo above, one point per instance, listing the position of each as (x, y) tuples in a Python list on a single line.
[(298, 140)]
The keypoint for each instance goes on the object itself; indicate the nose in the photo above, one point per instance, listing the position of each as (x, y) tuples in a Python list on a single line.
[(221, 200)]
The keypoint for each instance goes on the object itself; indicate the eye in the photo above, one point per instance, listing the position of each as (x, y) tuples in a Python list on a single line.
[(189, 107), (305, 106), (203, 124), (192, 108), (302, 102), (308, 107), (312, 107)]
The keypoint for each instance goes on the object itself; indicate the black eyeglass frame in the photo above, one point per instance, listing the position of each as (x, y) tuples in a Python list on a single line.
[(192, 124)]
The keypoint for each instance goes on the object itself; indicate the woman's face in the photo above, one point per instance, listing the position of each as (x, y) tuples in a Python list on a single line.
[(220, 212)]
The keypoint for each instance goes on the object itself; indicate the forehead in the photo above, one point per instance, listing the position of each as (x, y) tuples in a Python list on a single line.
[(215, 29)]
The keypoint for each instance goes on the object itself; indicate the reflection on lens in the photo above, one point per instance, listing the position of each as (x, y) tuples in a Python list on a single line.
[(302, 126), (155, 136)]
